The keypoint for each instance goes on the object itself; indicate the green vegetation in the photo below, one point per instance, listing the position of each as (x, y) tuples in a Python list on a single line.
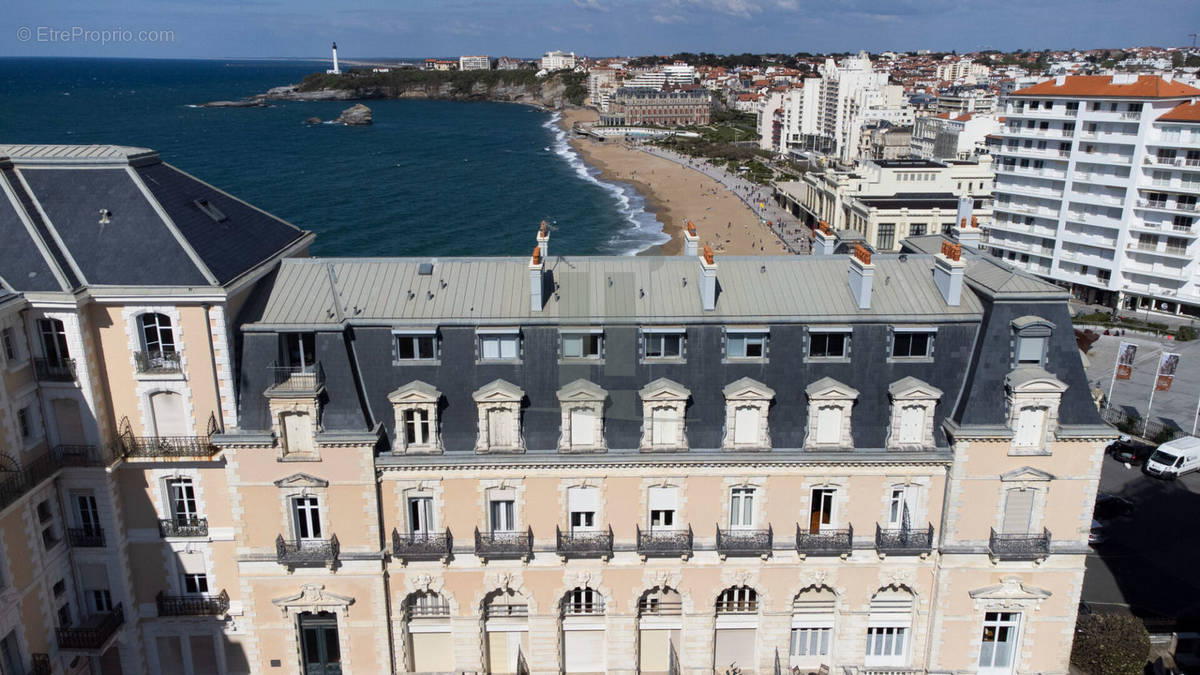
[(727, 60), (462, 83), (576, 86), (1185, 333), (1105, 319), (1110, 644)]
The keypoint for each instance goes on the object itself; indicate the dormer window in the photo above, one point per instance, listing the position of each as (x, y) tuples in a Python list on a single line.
[(663, 407), (745, 343), (499, 344), (1031, 337), (582, 344), (416, 409), (829, 342), (829, 406), (746, 405), (499, 407), (1033, 396), (663, 343), (416, 345), (582, 417), (913, 403)]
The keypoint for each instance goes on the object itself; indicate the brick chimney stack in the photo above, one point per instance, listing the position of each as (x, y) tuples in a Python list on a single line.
[(543, 239), (824, 240), (948, 269), (862, 275), (708, 280), (691, 240), (537, 270)]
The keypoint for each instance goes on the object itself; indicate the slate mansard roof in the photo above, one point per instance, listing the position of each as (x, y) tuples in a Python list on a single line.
[(73, 216)]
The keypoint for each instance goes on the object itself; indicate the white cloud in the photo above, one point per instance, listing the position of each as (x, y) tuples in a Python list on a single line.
[(593, 5)]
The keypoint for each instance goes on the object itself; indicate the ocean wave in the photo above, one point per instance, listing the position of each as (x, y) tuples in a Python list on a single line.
[(643, 230)]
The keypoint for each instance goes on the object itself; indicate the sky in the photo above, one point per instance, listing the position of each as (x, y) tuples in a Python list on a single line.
[(526, 28)]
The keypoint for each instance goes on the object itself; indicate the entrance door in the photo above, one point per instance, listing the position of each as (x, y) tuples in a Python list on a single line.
[(319, 640), (89, 515)]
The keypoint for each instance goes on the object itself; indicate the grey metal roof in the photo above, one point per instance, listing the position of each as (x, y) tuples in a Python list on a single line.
[(618, 288), (987, 273), (32, 154)]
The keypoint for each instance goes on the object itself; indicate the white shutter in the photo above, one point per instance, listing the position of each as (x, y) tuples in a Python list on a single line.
[(582, 427), (298, 432), (912, 421), (891, 608), (1029, 426), (665, 422), (735, 646), (168, 414), (508, 347), (499, 428), (70, 423), (829, 424), (583, 499), (1018, 511), (663, 498), (1029, 349), (491, 348), (583, 651), (192, 563), (745, 425)]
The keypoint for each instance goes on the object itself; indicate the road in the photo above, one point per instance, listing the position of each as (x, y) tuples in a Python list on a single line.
[(1177, 406)]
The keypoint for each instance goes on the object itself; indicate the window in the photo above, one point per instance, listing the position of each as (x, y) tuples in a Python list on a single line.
[(157, 337), (581, 345), (87, 514), (195, 583), (307, 516), (64, 616), (298, 351), (502, 512), (23, 422), (100, 600), (663, 504), (1018, 512), (812, 623), (10, 654), (745, 345), (1031, 425), (664, 427), (499, 409), (821, 510), (8, 344), (54, 340), (416, 426), (828, 345), (664, 345), (741, 508), (918, 229), (901, 506), (1030, 350), (886, 643), (885, 238), (582, 505), (499, 347), (737, 600), (415, 414), (416, 347), (910, 345), (999, 642), (420, 515), (181, 495), (888, 627), (583, 601), (46, 518)]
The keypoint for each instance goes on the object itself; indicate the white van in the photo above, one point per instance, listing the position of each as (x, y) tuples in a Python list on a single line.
[(1175, 458)]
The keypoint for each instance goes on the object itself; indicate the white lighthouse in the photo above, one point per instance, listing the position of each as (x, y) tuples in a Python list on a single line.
[(334, 70)]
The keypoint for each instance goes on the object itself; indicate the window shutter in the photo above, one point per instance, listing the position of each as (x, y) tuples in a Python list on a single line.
[(192, 563), (1018, 511), (829, 423), (745, 425), (582, 427), (663, 498), (583, 499)]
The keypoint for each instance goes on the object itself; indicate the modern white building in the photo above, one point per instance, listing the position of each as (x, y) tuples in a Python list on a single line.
[(962, 69), (474, 63), (947, 136), (556, 60), (1096, 189)]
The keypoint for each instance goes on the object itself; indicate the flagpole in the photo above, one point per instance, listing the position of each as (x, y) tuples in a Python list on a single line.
[(1196, 417), (1153, 388), (1113, 383)]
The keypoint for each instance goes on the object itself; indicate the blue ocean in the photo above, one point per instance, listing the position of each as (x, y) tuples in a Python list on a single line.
[(428, 178)]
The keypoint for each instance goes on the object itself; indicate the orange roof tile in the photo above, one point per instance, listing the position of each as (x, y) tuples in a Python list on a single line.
[(1184, 112), (1146, 86)]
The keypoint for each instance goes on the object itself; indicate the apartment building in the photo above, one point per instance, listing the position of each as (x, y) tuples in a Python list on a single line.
[(1097, 183), (962, 69), (673, 105), (952, 136), (542, 464), (119, 279), (885, 201), (556, 60), (474, 63)]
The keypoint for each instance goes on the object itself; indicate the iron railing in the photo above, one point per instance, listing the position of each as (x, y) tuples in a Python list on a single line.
[(664, 543), (16, 483), (167, 446), (744, 542), (39, 664), (183, 527), (94, 633), (584, 544), (86, 537), (419, 611), (504, 545), (825, 542), (157, 362), (307, 552), (54, 370), (298, 379), (192, 605), (904, 540), (421, 545), (1024, 546), (501, 611), (655, 607)]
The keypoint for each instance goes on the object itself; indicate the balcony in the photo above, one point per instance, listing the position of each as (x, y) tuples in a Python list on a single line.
[(293, 553), (1164, 161), (744, 542), (825, 542), (157, 363), (183, 527), (94, 634), (504, 545), (54, 370), (664, 543), (421, 545), (15, 484), (192, 605), (584, 544), (903, 541), (1024, 546), (40, 664), (167, 447), (297, 380), (86, 537)]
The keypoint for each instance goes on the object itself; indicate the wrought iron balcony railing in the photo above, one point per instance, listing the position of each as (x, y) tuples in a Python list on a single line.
[(39, 664), (825, 542), (307, 552), (664, 543), (93, 633), (584, 543), (86, 537), (904, 540), (168, 447), (298, 379), (421, 545), (183, 527), (192, 605), (17, 481), (157, 362), (1024, 546), (504, 545), (54, 370), (656, 607), (744, 542)]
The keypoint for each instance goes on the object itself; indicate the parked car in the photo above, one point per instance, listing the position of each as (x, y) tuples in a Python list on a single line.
[(1174, 458), (1096, 534), (1110, 506), (1128, 451)]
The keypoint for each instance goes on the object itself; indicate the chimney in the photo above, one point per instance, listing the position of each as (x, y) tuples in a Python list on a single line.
[(966, 230), (948, 270), (708, 280), (691, 240), (1060, 80), (537, 267), (824, 240), (543, 239), (862, 273)]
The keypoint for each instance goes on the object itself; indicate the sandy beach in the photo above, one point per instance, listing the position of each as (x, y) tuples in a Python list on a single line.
[(676, 194)]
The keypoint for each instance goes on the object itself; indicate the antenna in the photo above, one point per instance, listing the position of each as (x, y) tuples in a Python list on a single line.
[(1193, 36)]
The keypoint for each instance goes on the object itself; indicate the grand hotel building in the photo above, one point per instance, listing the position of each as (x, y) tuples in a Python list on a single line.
[(221, 456)]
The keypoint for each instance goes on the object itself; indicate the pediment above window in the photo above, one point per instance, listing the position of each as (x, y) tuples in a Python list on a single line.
[(313, 598), (415, 392), (301, 480), (911, 388), (499, 391), (1010, 592), (1033, 380), (582, 390), (663, 389), (828, 388), (1026, 473), (747, 389)]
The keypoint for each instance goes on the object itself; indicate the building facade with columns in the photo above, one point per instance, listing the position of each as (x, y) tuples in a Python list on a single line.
[(556, 464)]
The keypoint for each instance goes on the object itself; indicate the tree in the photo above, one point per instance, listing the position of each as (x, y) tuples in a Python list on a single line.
[(1110, 644)]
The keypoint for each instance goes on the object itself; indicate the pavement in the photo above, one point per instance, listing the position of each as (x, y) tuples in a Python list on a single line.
[(1175, 407)]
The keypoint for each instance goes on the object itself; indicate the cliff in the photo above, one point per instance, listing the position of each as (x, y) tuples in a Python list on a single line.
[(517, 86)]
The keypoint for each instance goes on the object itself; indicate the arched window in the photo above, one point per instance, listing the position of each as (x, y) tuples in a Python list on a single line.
[(660, 601), (504, 604), (889, 627), (659, 627), (506, 628), (583, 601), (158, 338), (812, 624), (736, 627), (737, 600), (427, 604), (583, 635), (430, 643), (170, 418)]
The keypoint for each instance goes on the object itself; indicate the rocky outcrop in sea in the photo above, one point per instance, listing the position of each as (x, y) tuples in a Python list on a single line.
[(355, 116)]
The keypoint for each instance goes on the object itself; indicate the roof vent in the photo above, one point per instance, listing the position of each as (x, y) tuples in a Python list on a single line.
[(105, 216), (209, 209), (425, 269)]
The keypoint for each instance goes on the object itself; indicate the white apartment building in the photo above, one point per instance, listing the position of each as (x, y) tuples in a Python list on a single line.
[(962, 69), (602, 83), (947, 136), (1096, 189), (966, 101), (680, 73), (474, 63), (558, 60)]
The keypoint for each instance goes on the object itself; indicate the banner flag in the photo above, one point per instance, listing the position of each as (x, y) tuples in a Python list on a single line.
[(1125, 355), (1166, 371)]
